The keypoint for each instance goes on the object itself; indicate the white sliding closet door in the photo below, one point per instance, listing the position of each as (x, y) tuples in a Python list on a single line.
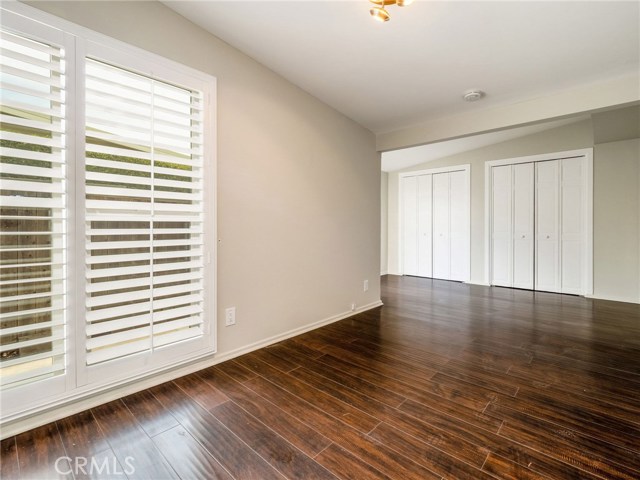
[(572, 224), (547, 257), (410, 225), (459, 226), (502, 226), (523, 221), (441, 217), (424, 226)]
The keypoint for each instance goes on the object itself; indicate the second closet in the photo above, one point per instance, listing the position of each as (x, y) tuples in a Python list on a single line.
[(538, 225), (435, 224)]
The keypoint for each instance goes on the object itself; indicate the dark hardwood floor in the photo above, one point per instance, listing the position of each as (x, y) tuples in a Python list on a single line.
[(445, 381)]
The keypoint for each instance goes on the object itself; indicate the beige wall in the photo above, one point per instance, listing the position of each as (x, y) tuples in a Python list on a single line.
[(616, 199), (616, 212), (297, 181), (384, 224)]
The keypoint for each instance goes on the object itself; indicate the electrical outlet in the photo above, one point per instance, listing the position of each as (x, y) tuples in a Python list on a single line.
[(366, 285), (230, 316)]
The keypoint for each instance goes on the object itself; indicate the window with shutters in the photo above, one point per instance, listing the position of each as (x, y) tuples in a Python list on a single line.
[(107, 251), (32, 211), (144, 197)]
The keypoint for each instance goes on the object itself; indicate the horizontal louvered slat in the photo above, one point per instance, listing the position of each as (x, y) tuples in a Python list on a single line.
[(166, 267), (118, 284), (32, 139), (30, 296), (177, 254), (177, 301), (122, 257), (6, 184), (17, 72), (181, 277), (118, 351), (118, 298), (184, 289), (52, 111), (160, 340), (111, 272), (47, 278), (5, 85), (119, 324), (173, 131), (33, 326), (160, 316), (102, 113), (10, 38), (129, 310), (29, 313), (141, 231), (119, 165), (52, 67), (177, 325), (59, 335), (117, 192), (119, 337), (119, 152), (55, 157), (53, 174), (115, 205), (55, 366), (31, 202), (58, 350)]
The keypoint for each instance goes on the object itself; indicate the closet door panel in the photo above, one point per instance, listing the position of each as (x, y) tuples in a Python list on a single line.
[(572, 219), (523, 221), (410, 226), (441, 241), (547, 259), (424, 226), (459, 226), (501, 226)]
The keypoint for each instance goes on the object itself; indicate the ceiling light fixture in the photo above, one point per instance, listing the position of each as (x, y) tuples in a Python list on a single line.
[(380, 14)]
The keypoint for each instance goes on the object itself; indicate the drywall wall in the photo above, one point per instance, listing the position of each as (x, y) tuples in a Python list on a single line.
[(384, 224), (616, 125), (569, 137), (298, 182), (616, 216)]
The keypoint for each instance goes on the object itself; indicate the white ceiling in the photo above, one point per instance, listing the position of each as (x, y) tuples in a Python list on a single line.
[(415, 67), (409, 157)]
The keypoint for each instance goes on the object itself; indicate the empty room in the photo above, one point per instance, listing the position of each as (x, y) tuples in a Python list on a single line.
[(319, 239)]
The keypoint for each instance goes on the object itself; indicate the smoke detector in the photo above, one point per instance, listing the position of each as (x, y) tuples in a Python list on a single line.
[(473, 95)]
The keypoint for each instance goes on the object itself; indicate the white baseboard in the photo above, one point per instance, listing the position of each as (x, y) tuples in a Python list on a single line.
[(384, 273), (48, 413), (613, 298), (482, 284)]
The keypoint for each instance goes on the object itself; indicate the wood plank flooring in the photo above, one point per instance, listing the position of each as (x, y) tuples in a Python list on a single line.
[(445, 381)]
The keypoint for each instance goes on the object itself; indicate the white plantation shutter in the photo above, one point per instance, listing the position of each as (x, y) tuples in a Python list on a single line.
[(144, 213), (107, 216), (32, 211)]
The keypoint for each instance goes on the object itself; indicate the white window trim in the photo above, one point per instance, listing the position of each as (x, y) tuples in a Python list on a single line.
[(21, 402)]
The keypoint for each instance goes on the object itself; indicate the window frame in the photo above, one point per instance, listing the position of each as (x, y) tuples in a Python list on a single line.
[(80, 380)]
